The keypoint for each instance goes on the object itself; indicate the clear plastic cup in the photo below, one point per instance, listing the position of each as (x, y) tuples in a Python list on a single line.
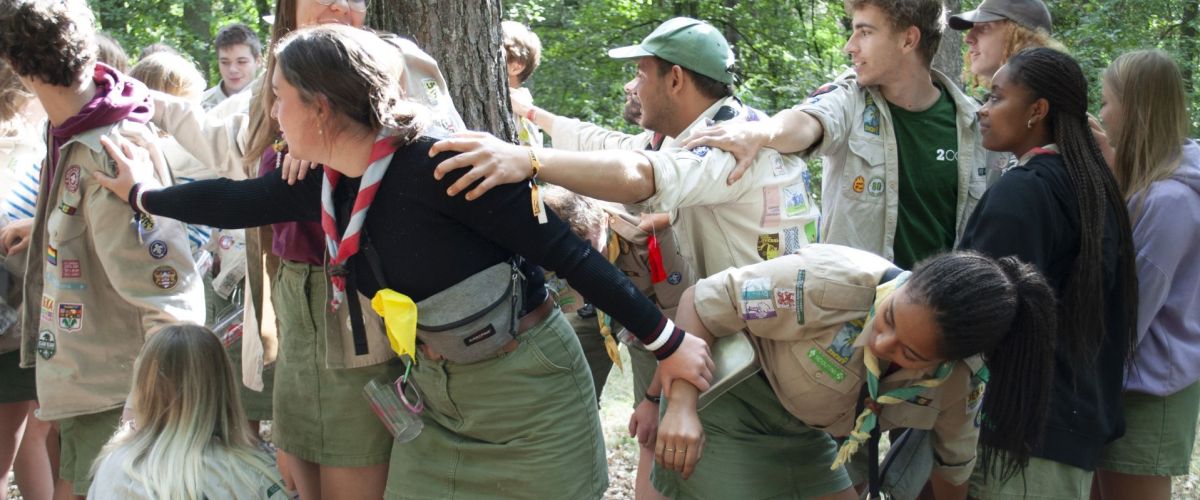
[(398, 406)]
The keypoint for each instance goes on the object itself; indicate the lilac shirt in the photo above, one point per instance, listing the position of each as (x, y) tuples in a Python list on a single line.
[(1165, 233), (294, 241)]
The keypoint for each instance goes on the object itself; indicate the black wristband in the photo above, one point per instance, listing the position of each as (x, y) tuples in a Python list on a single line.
[(653, 399), (132, 199)]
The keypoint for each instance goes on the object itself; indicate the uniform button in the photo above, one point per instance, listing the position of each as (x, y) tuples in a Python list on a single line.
[(818, 375)]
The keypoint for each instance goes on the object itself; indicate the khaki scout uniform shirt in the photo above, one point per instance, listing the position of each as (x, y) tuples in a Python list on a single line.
[(718, 226), (574, 135), (93, 288), (860, 182), (807, 314)]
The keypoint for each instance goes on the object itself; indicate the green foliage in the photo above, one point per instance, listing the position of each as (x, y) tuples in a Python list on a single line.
[(188, 25)]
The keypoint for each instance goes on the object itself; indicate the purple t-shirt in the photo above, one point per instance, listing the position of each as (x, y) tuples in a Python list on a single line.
[(294, 241)]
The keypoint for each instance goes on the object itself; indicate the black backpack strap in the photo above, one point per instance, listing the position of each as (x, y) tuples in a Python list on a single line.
[(358, 329)]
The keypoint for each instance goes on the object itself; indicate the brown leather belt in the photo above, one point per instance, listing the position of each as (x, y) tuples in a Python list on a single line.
[(529, 320)]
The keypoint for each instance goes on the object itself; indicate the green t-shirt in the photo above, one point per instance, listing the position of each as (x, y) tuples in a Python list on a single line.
[(928, 143)]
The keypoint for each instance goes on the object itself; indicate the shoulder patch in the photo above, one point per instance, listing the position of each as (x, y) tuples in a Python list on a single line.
[(824, 89)]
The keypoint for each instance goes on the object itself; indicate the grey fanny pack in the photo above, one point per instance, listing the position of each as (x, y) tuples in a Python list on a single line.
[(476, 317)]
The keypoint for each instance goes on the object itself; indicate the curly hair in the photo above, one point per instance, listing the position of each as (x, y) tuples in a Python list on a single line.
[(1016, 39), (927, 15), (51, 40)]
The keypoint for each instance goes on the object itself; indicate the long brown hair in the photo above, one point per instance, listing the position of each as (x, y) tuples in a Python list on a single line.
[(1149, 89), (263, 129)]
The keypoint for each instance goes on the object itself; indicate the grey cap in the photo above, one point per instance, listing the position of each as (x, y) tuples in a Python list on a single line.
[(1031, 14)]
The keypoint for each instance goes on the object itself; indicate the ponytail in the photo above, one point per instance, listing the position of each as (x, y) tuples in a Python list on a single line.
[(1006, 311)]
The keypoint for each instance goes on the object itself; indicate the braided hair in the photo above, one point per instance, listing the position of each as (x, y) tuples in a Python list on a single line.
[(1056, 77), (1005, 310)]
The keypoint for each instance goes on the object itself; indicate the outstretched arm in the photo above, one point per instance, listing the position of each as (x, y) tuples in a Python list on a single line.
[(789, 131), (618, 176)]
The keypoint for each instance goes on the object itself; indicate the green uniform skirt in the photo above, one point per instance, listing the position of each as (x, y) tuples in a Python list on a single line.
[(321, 414), (755, 449), (522, 425)]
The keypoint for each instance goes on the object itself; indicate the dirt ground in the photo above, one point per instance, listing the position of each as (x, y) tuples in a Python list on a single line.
[(616, 404)]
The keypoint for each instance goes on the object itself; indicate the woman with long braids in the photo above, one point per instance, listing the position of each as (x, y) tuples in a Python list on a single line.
[(1158, 170), (496, 417), (1061, 210), (844, 325)]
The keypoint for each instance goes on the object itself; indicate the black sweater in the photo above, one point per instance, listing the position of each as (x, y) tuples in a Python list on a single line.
[(426, 240), (1032, 213)]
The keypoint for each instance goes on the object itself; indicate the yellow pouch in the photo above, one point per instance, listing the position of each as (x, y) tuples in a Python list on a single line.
[(399, 314)]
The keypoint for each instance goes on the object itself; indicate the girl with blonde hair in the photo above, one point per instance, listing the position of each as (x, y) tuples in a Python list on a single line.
[(189, 438), (1157, 169), (170, 73)]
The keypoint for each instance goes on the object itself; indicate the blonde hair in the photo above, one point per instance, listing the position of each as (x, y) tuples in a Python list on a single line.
[(1149, 88), (1016, 39), (168, 73), (13, 98), (188, 418)]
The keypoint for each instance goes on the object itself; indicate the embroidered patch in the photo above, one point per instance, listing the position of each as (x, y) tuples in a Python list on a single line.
[(146, 223), (67, 209), (431, 90), (226, 242), (768, 246), (674, 278), (859, 185), (71, 269), (71, 178), (841, 349), (975, 399), (700, 151), (158, 249), (785, 298), (795, 200), (777, 166), (876, 186), (824, 89), (871, 117), (771, 207), (826, 365), (51, 255), (165, 277), (70, 317), (46, 344), (800, 297), (756, 299), (47, 308)]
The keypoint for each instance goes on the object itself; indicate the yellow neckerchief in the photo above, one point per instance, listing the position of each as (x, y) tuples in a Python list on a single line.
[(612, 251), (868, 419)]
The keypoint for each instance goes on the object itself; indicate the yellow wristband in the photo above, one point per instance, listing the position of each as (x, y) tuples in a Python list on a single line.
[(533, 161)]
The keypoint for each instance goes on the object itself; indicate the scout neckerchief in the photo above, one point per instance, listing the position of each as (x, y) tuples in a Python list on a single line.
[(341, 248), (867, 420), (612, 251), (1049, 149)]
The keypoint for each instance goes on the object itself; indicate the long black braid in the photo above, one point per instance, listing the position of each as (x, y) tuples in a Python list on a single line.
[(1056, 77), (1004, 310)]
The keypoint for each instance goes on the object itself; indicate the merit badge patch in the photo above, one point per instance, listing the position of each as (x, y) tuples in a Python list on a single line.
[(431, 90), (777, 168), (834, 370), (876, 186), (158, 249), (800, 297), (785, 298), (859, 185), (67, 209), (165, 277), (674, 278), (768, 246), (824, 89), (772, 207), (756, 299), (47, 309), (871, 117), (70, 317), (72, 269), (146, 222), (226, 242), (842, 347), (51, 255), (46, 344), (975, 399), (795, 200), (71, 178)]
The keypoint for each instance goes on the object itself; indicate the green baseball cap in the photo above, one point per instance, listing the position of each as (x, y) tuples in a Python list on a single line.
[(691, 43)]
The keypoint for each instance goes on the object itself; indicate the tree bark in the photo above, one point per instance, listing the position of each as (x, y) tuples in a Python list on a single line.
[(1190, 49), (197, 15), (464, 36), (949, 58)]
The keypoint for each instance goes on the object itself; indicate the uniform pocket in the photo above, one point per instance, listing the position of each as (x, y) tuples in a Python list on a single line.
[(819, 394), (909, 415), (863, 174)]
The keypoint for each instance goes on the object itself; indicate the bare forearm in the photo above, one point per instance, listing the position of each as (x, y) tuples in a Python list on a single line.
[(617, 176), (792, 131)]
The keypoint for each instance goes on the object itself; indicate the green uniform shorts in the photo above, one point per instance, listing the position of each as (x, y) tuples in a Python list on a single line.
[(1042, 480), (80, 440), (321, 414), (756, 449), (522, 425), (1159, 434)]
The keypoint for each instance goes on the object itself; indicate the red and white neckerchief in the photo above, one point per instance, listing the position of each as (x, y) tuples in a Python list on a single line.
[(343, 247)]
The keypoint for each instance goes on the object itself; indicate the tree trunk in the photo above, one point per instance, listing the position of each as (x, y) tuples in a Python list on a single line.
[(949, 58), (464, 36), (197, 15), (1189, 47)]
